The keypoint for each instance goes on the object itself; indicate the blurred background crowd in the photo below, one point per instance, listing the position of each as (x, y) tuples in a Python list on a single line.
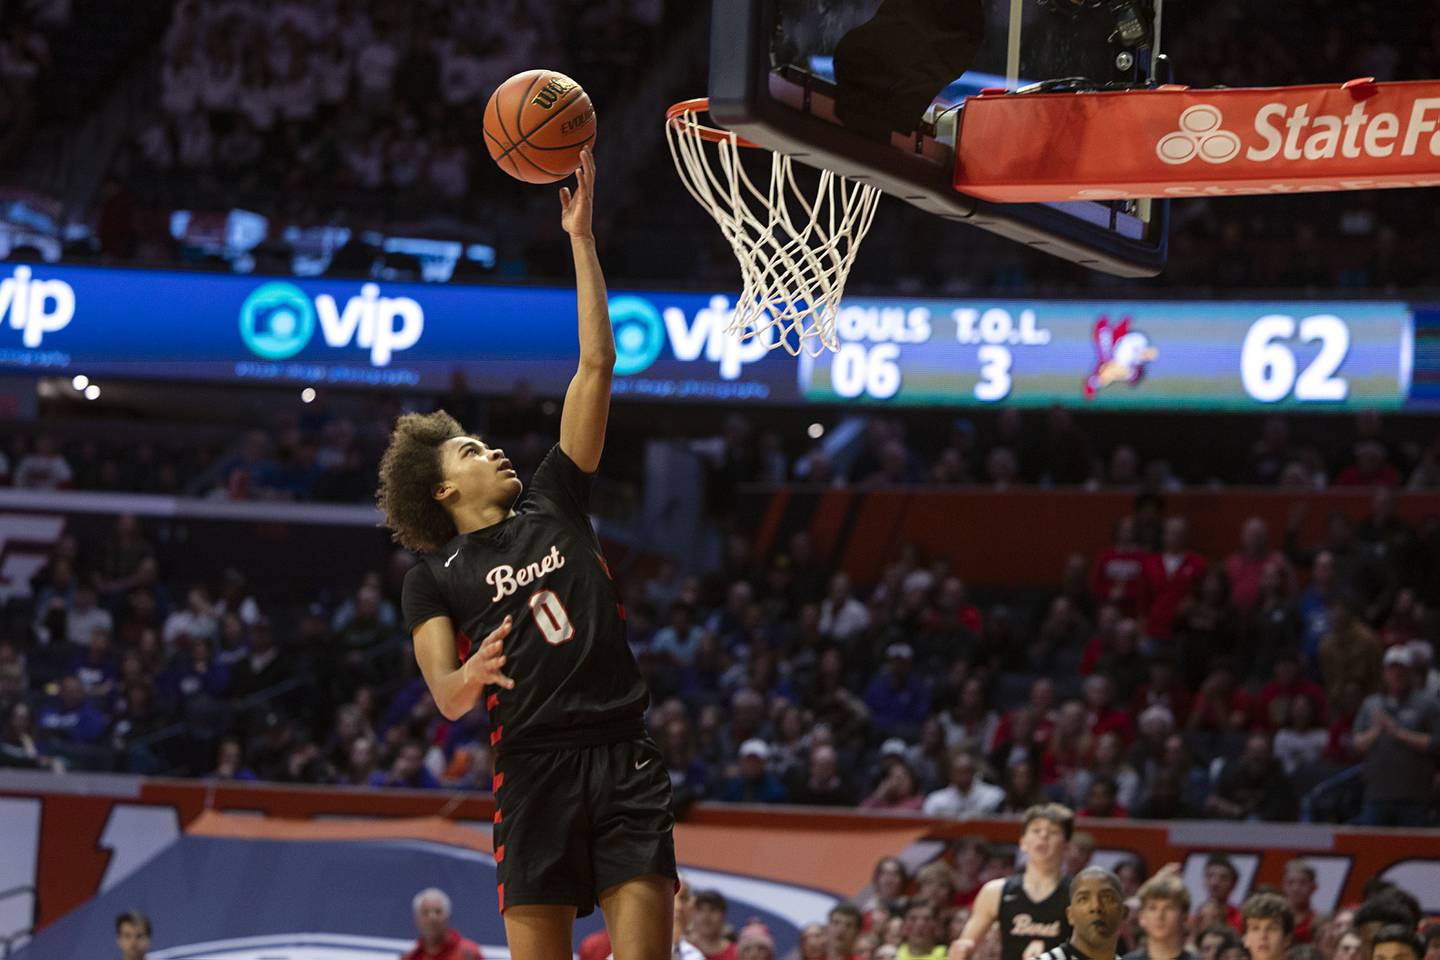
[(274, 135)]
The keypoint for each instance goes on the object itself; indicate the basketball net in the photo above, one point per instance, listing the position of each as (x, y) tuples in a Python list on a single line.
[(795, 254)]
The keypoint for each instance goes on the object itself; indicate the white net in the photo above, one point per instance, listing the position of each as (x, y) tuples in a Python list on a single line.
[(795, 253)]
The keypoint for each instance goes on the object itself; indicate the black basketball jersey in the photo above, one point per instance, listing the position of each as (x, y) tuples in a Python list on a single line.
[(1027, 928), (1068, 951), (576, 681)]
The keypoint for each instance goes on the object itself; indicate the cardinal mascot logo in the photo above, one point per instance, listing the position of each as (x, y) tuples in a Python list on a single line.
[(1120, 356)]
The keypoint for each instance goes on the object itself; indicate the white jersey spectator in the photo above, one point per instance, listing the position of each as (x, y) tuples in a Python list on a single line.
[(967, 795), (842, 616)]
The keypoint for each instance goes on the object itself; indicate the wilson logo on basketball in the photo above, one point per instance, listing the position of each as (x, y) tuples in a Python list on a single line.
[(551, 93)]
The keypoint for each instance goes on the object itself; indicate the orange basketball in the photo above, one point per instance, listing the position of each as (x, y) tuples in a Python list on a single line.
[(535, 124)]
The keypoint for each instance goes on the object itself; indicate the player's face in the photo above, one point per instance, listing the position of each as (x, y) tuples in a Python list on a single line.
[(1265, 938), (477, 475), (1162, 919), (133, 941), (1096, 909), (1043, 842)]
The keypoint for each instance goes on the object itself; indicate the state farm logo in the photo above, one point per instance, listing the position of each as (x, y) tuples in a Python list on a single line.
[(1199, 136), (1301, 131)]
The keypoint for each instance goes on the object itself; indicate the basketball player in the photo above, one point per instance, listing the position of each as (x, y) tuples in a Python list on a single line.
[(583, 800), (1031, 906), (1096, 910)]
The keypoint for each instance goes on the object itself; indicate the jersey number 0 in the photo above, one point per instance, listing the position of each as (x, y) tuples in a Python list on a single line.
[(551, 617)]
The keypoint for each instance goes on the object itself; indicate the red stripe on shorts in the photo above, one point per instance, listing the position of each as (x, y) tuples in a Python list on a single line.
[(492, 701), (500, 890), (496, 734), (497, 782), (500, 853)]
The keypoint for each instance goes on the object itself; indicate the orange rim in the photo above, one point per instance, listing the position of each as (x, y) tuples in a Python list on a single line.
[(677, 111)]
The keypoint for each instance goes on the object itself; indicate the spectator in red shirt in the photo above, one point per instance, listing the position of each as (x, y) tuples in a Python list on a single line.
[(438, 941), (1168, 577), (1246, 566), (1370, 468), (1102, 714), (1222, 707), (1299, 888), (1220, 880), (1117, 575), (1100, 800), (707, 926), (1287, 681), (1103, 640), (1069, 747)]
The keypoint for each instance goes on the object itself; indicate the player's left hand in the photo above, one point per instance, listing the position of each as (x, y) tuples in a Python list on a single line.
[(576, 207), (483, 667)]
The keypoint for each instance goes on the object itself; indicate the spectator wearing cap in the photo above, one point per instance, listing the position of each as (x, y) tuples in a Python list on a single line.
[(967, 795), (753, 782), (438, 940), (899, 699), (707, 926), (1396, 732)]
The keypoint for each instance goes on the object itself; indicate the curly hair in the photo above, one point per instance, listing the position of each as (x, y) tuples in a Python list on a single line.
[(409, 471)]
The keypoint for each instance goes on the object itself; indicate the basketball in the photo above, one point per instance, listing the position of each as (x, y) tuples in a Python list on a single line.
[(536, 124)]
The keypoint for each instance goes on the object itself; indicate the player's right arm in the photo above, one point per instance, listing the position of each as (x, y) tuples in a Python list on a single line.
[(455, 686), (982, 915)]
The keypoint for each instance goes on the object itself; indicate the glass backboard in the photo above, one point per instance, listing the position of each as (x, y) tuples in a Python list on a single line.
[(773, 79)]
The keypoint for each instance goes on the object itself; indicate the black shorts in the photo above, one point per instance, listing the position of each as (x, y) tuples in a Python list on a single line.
[(570, 823)]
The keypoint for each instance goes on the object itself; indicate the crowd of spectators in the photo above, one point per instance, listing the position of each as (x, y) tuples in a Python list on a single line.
[(1154, 682), (24, 61), (908, 917), (321, 453), (367, 114)]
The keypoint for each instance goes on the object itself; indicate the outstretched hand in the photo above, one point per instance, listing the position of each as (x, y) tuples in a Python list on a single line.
[(576, 207), (483, 667)]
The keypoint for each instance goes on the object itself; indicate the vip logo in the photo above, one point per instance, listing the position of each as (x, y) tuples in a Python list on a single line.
[(1199, 136), (551, 93)]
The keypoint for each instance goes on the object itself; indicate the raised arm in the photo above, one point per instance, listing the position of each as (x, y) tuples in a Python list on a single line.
[(587, 401)]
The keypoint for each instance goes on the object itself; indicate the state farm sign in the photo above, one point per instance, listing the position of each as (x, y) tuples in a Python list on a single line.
[(1181, 142)]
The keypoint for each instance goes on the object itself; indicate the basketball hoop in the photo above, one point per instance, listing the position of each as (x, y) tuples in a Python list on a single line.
[(795, 254)]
